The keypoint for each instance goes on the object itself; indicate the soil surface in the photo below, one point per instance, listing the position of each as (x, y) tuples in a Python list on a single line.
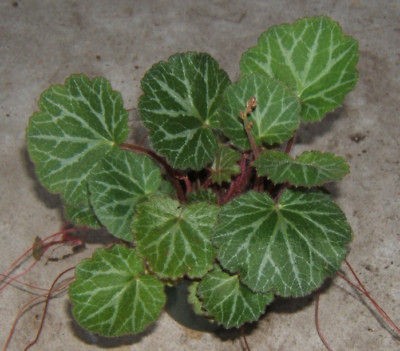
[(43, 42)]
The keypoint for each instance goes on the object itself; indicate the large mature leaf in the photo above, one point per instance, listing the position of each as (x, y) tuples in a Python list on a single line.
[(313, 57), (174, 238), (225, 164), (311, 168), (117, 183), (81, 215), (112, 295), (180, 97), (78, 123), (288, 247), (274, 120), (230, 302)]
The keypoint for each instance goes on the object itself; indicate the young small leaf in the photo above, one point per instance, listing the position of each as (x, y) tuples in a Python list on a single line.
[(174, 238), (289, 247), (202, 195), (113, 296), (77, 125), (225, 164), (312, 57), (180, 97), (311, 168), (274, 119), (230, 302), (117, 183)]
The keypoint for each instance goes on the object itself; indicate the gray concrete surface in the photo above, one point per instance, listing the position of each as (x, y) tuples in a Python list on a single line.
[(42, 42)]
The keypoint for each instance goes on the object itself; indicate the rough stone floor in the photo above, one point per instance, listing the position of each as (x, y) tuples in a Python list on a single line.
[(43, 42)]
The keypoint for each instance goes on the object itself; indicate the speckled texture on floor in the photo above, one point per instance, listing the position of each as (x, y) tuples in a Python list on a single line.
[(42, 42)]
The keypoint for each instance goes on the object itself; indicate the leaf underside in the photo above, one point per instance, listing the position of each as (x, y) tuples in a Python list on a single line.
[(116, 185), (174, 238), (228, 301), (311, 168), (180, 97), (288, 248), (312, 57), (274, 120), (113, 296), (78, 124)]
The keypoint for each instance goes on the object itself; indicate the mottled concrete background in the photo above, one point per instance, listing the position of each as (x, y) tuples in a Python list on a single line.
[(42, 42)]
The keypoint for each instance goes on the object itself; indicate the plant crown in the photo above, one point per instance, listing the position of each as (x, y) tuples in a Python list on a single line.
[(218, 199)]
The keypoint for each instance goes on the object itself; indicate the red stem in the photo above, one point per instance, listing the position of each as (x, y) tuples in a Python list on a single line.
[(289, 144), (171, 173), (317, 326), (238, 185), (365, 292), (34, 341)]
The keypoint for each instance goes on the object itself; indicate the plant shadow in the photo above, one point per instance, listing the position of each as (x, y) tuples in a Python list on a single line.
[(309, 131)]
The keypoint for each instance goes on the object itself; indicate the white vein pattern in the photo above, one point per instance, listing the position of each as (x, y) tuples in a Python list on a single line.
[(175, 239), (311, 168), (112, 295), (288, 248), (78, 124), (275, 118), (118, 182), (313, 57), (228, 301), (180, 97)]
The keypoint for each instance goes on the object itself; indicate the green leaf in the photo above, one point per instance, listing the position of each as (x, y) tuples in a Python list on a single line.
[(311, 168), (174, 238), (117, 183), (82, 215), (180, 97), (230, 302), (312, 57), (113, 296), (274, 120), (225, 164), (288, 247), (77, 125), (202, 195)]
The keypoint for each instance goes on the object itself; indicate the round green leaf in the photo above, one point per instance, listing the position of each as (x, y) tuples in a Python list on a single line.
[(113, 296), (77, 125), (311, 168), (289, 247), (117, 183), (313, 57), (175, 239), (180, 97), (228, 301), (274, 119)]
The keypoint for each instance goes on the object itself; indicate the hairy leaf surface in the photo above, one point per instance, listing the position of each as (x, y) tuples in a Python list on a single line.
[(117, 183), (113, 296), (230, 302), (180, 97), (274, 120), (77, 125), (312, 57), (175, 238), (289, 247), (311, 168)]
